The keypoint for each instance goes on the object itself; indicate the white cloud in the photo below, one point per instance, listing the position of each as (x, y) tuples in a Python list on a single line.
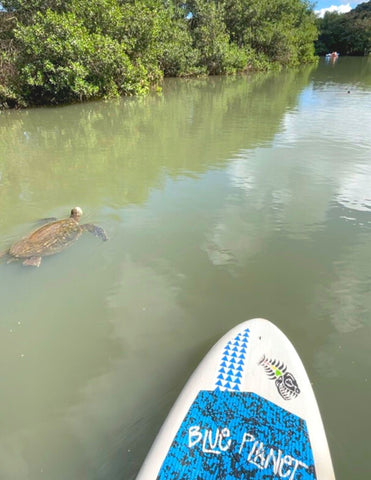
[(334, 8)]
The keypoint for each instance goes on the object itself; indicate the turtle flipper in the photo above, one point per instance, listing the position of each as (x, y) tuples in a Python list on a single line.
[(32, 261), (4, 253), (11, 260), (95, 230)]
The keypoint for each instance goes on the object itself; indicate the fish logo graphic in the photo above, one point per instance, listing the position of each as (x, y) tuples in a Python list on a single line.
[(285, 381)]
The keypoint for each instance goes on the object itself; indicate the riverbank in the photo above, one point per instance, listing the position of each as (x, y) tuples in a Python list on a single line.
[(65, 52)]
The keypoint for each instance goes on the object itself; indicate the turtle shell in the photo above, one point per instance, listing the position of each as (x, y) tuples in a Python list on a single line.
[(48, 239)]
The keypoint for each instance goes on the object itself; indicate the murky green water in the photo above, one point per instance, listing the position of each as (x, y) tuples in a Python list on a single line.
[(224, 199)]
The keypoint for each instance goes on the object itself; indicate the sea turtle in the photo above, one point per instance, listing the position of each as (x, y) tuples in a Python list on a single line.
[(52, 238)]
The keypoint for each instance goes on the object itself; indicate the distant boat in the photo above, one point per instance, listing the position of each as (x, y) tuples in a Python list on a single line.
[(332, 55)]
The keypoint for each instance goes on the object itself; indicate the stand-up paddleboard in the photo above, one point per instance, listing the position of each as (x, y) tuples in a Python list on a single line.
[(248, 412)]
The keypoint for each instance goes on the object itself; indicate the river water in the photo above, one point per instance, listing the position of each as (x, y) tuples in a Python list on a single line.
[(224, 199)]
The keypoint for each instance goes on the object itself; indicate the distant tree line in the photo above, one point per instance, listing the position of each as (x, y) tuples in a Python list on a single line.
[(56, 51), (348, 33)]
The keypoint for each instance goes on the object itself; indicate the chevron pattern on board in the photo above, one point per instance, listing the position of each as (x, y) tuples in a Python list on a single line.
[(232, 363)]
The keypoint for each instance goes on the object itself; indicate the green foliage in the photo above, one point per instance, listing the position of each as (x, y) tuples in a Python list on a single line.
[(349, 34), (26, 10), (280, 32), (72, 50), (178, 57), (59, 60), (218, 55), (8, 73)]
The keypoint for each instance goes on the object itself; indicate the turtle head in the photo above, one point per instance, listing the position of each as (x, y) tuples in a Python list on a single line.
[(76, 213)]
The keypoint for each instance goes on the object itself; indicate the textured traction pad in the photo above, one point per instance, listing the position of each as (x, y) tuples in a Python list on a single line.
[(229, 435)]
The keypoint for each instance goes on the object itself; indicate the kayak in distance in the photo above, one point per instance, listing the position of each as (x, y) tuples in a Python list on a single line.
[(248, 412)]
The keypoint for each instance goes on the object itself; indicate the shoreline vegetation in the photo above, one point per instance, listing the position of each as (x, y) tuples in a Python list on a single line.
[(65, 51)]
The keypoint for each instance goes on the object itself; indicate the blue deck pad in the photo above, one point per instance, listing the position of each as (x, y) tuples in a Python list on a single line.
[(239, 435)]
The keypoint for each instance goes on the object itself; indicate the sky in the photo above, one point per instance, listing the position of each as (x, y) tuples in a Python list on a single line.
[(340, 6)]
